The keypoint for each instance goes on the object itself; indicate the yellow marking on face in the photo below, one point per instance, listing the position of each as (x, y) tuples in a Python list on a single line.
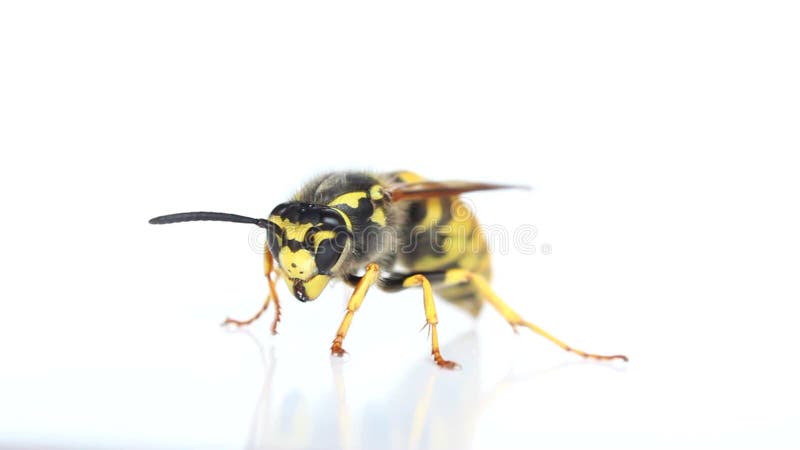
[(350, 199), (300, 264), (293, 230), (313, 287), (379, 217)]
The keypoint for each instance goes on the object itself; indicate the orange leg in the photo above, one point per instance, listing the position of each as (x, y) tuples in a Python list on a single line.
[(430, 317), (356, 299), (272, 277), (455, 276)]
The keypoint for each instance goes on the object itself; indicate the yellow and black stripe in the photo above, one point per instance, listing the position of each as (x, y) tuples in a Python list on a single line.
[(442, 233), (368, 215)]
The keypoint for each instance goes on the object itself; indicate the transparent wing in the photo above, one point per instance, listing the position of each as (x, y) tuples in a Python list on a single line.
[(428, 189)]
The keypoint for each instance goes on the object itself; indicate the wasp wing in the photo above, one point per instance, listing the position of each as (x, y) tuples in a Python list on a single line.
[(428, 189)]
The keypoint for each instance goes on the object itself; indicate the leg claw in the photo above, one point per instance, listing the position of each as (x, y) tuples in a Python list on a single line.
[(445, 364), (229, 321), (337, 350)]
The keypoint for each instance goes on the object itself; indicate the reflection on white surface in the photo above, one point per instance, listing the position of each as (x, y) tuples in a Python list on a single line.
[(423, 411), (429, 409)]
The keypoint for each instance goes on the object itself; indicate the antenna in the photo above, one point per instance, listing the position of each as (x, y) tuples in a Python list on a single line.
[(202, 215)]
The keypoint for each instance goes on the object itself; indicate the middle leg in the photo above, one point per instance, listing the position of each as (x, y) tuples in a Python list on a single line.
[(430, 316)]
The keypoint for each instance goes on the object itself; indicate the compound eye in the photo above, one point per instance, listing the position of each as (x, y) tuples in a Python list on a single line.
[(327, 254)]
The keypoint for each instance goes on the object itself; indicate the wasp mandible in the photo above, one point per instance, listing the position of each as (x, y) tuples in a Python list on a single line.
[(396, 231)]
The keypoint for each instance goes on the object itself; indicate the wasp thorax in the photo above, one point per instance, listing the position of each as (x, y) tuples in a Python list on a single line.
[(308, 242)]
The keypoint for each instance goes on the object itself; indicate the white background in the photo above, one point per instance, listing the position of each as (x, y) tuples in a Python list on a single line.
[(660, 140)]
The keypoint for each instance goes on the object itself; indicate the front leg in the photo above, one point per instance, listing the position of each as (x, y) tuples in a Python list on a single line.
[(272, 278), (372, 272)]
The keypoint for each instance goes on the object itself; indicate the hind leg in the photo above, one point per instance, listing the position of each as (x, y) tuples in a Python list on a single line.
[(455, 276), (458, 276)]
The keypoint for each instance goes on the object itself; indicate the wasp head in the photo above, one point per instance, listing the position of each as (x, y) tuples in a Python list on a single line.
[(308, 242)]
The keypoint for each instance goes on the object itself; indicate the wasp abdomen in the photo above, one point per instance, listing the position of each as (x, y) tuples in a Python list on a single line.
[(442, 233)]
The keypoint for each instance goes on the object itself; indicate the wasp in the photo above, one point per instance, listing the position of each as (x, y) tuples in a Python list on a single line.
[(395, 231)]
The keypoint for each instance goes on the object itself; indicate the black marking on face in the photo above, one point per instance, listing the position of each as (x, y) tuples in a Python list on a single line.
[(324, 218), (294, 245)]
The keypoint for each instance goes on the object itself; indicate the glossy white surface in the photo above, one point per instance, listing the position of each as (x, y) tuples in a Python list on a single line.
[(659, 140)]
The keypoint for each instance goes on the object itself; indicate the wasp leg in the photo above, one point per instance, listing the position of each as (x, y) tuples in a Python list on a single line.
[(272, 277), (455, 276), (372, 272), (430, 316), (449, 277)]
